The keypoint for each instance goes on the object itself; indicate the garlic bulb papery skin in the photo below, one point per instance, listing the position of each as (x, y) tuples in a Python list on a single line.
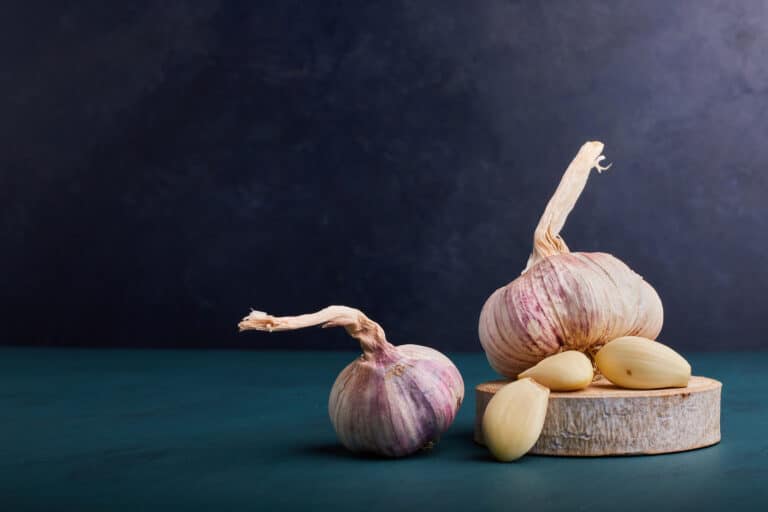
[(564, 300), (392, 400)]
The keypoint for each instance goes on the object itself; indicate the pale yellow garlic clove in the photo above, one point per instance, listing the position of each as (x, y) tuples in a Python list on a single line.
[(567, 371), (513, 419), (639, 363)]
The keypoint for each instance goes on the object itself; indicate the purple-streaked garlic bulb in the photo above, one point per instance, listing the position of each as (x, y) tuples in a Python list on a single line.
[(564, 300), (392, 400)]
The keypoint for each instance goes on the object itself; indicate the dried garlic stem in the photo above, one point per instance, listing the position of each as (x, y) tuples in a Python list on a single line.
[(546, 239), (366, 331)]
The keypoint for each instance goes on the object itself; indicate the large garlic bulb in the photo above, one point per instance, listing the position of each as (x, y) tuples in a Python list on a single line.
[(392, 400), (566, 300)]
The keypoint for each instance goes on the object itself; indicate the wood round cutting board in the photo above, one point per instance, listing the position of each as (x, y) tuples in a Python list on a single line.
[(607, 420)]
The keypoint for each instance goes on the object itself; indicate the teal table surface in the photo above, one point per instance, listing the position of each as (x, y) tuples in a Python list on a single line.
[(117, 430)]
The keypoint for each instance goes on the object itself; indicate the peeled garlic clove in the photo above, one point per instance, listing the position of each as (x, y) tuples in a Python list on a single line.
[(566, 371), (514, 418), (639, 363)]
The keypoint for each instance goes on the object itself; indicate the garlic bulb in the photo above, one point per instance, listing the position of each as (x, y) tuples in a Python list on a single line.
[(564, 300), (393, 400)]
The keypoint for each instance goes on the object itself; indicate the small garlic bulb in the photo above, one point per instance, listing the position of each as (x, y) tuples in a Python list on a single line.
[(391, 401), (564, 300)]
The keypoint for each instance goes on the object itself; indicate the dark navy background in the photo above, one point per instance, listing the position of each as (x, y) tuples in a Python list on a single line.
[(165, 166)]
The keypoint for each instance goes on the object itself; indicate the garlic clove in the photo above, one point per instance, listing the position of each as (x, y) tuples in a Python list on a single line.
[(639, 363), (567, 371), (514, 418)]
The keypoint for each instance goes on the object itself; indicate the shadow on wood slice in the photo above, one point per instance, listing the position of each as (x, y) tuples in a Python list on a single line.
[(606, 420)]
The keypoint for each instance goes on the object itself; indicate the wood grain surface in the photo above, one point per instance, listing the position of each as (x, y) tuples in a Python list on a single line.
[(607, 420)]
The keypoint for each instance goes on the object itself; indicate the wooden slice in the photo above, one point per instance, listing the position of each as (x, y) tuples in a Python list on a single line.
[(607, 420)]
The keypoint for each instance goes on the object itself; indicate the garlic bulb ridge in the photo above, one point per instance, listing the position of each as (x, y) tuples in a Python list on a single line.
[(566, 300)]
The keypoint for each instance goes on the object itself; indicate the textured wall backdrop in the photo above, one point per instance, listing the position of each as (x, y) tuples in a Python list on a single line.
[(164, 166)]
